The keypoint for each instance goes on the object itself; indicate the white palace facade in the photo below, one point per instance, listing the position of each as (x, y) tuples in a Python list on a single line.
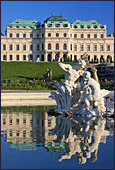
[(56, 39)]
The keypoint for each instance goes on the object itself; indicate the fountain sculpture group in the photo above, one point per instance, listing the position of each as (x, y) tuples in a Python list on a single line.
[(80, 94)]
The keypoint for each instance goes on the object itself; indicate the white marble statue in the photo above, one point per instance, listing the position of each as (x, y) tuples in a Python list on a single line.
[(80, 93)]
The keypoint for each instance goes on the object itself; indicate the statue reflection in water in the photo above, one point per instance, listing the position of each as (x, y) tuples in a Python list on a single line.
[(81, 136), (70, 135)]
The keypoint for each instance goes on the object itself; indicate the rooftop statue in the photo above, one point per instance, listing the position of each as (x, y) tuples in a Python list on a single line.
[(80, 93)]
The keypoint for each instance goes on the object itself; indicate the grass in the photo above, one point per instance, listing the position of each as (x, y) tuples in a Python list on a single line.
[(25, 109), (29, 76), (29, 70)]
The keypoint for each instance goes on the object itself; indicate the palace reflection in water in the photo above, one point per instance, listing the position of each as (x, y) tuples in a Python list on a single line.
[(69, 136)]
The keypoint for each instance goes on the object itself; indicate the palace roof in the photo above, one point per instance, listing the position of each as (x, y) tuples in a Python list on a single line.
[(23, 146), (24, 23), (87, 24), (57, 20)]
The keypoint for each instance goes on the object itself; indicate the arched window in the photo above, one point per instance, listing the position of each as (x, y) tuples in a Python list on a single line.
[(65, 46), (57, 34), (49, 34), (57, 46), (65, 35), (49, 46)]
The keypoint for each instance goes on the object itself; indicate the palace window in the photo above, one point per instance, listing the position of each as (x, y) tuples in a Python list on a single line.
[(31, 47), (70, 35), (10, 47), (17, 121), (57, 46), (71, 47), (37, 47), (65, 35), (82, 47), (4, 121), (24, 133), (37, 35), (49, 34), (101, 47), (17, 133), (88, 57), (10, 132), (75, 35), (42, 46), (88, 35), (17, 47), (4, 46), (24, 47), (10, 122), (10, 57), (95, 35), (30, 133), (4, 57), (17, 57), (75, 47), (75, 57), (24, 35), (88, 47), (42, 34), (31, 57), (108, 47), (65, 46), (10, 34), (95, 57), (49, 46), (24, 121), (31, 35), (17, 35), (101, 59), (102, 36), (24, 57), (81, 35), (95, 47), (57, 34)]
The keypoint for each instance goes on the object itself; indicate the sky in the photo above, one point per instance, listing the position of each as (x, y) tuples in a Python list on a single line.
[(101, 11)]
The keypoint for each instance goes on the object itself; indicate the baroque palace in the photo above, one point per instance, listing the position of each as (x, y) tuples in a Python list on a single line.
[(56, 39)]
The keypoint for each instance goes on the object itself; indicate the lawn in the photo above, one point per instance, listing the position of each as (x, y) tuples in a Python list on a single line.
[(29, 76), (29, 70)]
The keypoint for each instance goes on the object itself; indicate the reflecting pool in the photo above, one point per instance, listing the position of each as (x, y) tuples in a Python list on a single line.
[(33, 139)]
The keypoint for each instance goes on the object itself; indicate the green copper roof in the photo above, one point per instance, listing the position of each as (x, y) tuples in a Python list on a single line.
[(57, 147), (23, 146), (24, 23), (87, 23), (57, 20)]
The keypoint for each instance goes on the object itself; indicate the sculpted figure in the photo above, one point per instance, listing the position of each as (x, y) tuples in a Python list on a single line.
[(94, 70), (81, 94), (72, 73), (92, 93)]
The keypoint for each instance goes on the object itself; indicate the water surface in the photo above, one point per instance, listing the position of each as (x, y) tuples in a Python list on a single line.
[(33, 139)]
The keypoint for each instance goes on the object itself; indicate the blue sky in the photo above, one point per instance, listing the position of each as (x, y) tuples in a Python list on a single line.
[(101, 11)]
